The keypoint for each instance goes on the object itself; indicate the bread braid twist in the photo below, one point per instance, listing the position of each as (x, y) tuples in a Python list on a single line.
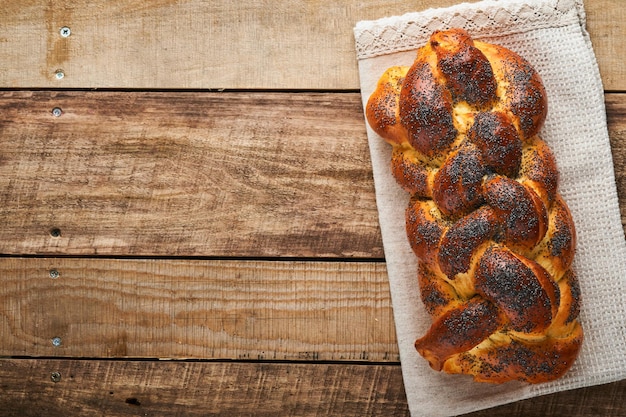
[(494, 239)]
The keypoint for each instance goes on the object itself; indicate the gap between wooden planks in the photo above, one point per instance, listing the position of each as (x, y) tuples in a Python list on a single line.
[(221, 44)]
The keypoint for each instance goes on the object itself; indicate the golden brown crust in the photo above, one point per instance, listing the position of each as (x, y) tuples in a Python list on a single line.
[(382, 108), (498, 142), (458, 329), (458, 184), (494, 240), (524, 217), (533, 361), (426, 109), (414, 175), (523, 92), (520, 288), (466, 70)]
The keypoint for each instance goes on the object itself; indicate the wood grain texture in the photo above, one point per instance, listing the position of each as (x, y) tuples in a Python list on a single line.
[(174, 180), (597, 401), (130, 388), (192, 174), (186, 174), (606, 24), (616, 120), (99, 388), (285, 44), (199, 309)]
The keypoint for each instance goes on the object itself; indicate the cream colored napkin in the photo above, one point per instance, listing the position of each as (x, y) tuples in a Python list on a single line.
[(550, 34)]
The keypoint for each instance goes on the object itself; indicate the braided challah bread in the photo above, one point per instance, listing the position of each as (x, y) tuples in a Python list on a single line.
[(493, 238)]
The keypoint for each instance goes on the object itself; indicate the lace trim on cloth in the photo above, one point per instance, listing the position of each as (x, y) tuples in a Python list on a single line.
[(490, 18)]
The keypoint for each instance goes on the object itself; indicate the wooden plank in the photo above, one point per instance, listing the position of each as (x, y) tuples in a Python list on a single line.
[(284, 44), (112, 388), (597, 401), (129, 388), (606, 23), (196, 309), (193, 174), (186, 174), (616, 120)]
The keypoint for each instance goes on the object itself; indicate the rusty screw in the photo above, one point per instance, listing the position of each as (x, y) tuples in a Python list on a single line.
[(55, 376)]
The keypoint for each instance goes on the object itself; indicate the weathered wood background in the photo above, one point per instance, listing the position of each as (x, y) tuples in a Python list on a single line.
[(281, 44), (194, 230)]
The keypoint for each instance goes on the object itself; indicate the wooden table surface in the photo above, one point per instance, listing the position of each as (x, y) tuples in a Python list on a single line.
[(194, 230)]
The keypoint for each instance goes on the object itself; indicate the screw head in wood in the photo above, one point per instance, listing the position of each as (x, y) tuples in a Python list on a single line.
[(59, 74), (56, 341), (55, 232), (55, 376), (54, 273), (65, 31), (57, 112)]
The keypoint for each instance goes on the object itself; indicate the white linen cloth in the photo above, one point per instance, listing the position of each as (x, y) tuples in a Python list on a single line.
[(551, 34)]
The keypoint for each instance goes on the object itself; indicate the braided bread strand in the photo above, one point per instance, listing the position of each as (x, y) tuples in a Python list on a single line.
[(494, 239)]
